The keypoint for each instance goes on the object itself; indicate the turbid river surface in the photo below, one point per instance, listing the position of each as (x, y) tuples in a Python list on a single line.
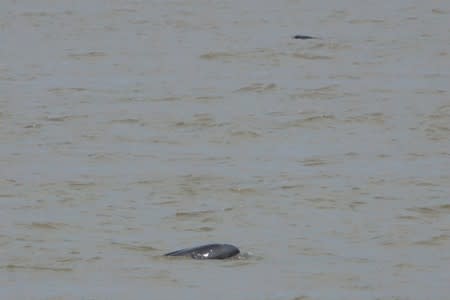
[(129, 129)]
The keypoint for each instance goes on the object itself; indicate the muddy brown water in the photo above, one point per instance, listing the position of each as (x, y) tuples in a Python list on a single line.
[(130, 129)]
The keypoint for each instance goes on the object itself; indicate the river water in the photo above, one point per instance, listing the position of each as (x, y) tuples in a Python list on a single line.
[(132, 128)]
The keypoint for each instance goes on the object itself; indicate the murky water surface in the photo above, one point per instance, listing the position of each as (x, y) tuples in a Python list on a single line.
[(133, 128)]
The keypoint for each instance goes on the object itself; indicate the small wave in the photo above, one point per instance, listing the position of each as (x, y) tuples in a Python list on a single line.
[(13, 267)]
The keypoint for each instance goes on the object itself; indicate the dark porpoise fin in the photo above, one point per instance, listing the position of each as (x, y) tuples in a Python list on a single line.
[(303, 37), (210, 251)]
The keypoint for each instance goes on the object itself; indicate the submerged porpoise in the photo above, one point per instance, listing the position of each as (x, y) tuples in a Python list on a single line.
[(303, 37), (209, 251)]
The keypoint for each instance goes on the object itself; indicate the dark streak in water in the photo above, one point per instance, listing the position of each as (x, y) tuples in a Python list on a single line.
[(193, 213)]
